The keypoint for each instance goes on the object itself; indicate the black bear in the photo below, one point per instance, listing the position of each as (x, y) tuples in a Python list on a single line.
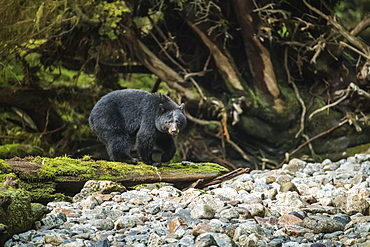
[(153, 117)]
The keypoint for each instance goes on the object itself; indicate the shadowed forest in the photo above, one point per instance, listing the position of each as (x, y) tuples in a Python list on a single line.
[(262, 81)]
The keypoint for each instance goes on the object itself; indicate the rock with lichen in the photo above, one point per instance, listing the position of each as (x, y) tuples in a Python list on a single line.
[(17, 213)]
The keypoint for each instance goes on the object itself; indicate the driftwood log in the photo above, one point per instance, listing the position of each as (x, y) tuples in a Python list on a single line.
[(67, 175)]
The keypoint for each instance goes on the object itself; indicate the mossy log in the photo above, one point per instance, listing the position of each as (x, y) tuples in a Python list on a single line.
[(51, 178)]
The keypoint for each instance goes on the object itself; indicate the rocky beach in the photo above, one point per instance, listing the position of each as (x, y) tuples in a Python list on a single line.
[(300, 205)]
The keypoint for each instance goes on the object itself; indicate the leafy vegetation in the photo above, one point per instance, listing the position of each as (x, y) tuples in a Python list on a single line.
[(262, 81)]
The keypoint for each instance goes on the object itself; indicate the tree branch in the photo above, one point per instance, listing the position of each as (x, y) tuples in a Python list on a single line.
[(347, 35), (157, 66), (226, 69)]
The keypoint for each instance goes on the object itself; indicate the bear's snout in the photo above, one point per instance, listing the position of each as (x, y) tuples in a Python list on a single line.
[(173, 130)]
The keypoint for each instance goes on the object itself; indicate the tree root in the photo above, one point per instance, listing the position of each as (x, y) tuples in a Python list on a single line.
[(310, 140)]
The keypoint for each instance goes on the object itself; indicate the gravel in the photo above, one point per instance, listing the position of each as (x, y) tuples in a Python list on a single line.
[(300, 205)]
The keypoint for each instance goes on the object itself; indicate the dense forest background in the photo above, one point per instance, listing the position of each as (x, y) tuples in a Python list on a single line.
[(263, 81)]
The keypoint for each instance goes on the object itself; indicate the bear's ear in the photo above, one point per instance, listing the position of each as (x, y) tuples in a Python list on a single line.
[(182, 107), (161, 109)]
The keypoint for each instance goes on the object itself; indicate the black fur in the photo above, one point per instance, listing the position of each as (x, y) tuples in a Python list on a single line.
[(151, 117)]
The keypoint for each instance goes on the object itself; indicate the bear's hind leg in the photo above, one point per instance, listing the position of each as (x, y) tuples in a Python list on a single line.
[(118, 148)]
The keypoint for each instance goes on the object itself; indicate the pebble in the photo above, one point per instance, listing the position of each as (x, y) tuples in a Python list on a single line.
[(302, 204)]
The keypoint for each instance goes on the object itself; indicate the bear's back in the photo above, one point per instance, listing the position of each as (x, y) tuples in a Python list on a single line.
[(125, 97), (119, 110)]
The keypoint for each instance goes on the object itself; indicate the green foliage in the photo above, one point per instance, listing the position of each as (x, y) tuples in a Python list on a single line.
[(142, 81), (351, 12), (110, 15), (80, 50), (11, 73), (145, 23), (283, 32), (19, 150)]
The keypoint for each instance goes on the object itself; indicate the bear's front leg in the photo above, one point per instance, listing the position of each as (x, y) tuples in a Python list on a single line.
[(168, 146), (144, 143)]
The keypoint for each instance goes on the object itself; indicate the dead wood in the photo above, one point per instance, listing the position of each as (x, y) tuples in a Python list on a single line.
[(69, 178)]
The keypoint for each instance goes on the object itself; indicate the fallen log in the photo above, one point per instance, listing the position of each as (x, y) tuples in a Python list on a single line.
[(53, 178)]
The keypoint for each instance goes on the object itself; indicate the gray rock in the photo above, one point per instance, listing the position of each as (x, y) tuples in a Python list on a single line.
[(210, 239), (54, 220), (223, 240), (89, 203), (202, 211), (332, 199), (141, 196), (186, 241), (322, 224), (102, 224), (205, 240), (73, 243), (154, 209), (245, 241), (55, 238), (293, 166), (310, 168), (288, 186), (96, 186), (26, 236), (255, 209), (125, 222), (229, 214), (103, 243), (353, 202)]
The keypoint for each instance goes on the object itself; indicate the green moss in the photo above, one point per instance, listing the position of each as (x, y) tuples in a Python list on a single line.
[(65, 166), (85, 168), (189, 167), (358, 149), (122, 169), (43, 192), (4, 167), (3, 177), (20, 214), (115, 170)]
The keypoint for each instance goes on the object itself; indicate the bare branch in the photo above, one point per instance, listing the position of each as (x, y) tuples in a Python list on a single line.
[(296, 91), (219, 124), (311, 139), (227, 71), (351, 87), (352, 39)]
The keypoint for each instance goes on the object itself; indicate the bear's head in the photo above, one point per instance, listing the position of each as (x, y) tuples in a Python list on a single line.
[(171, 120)]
